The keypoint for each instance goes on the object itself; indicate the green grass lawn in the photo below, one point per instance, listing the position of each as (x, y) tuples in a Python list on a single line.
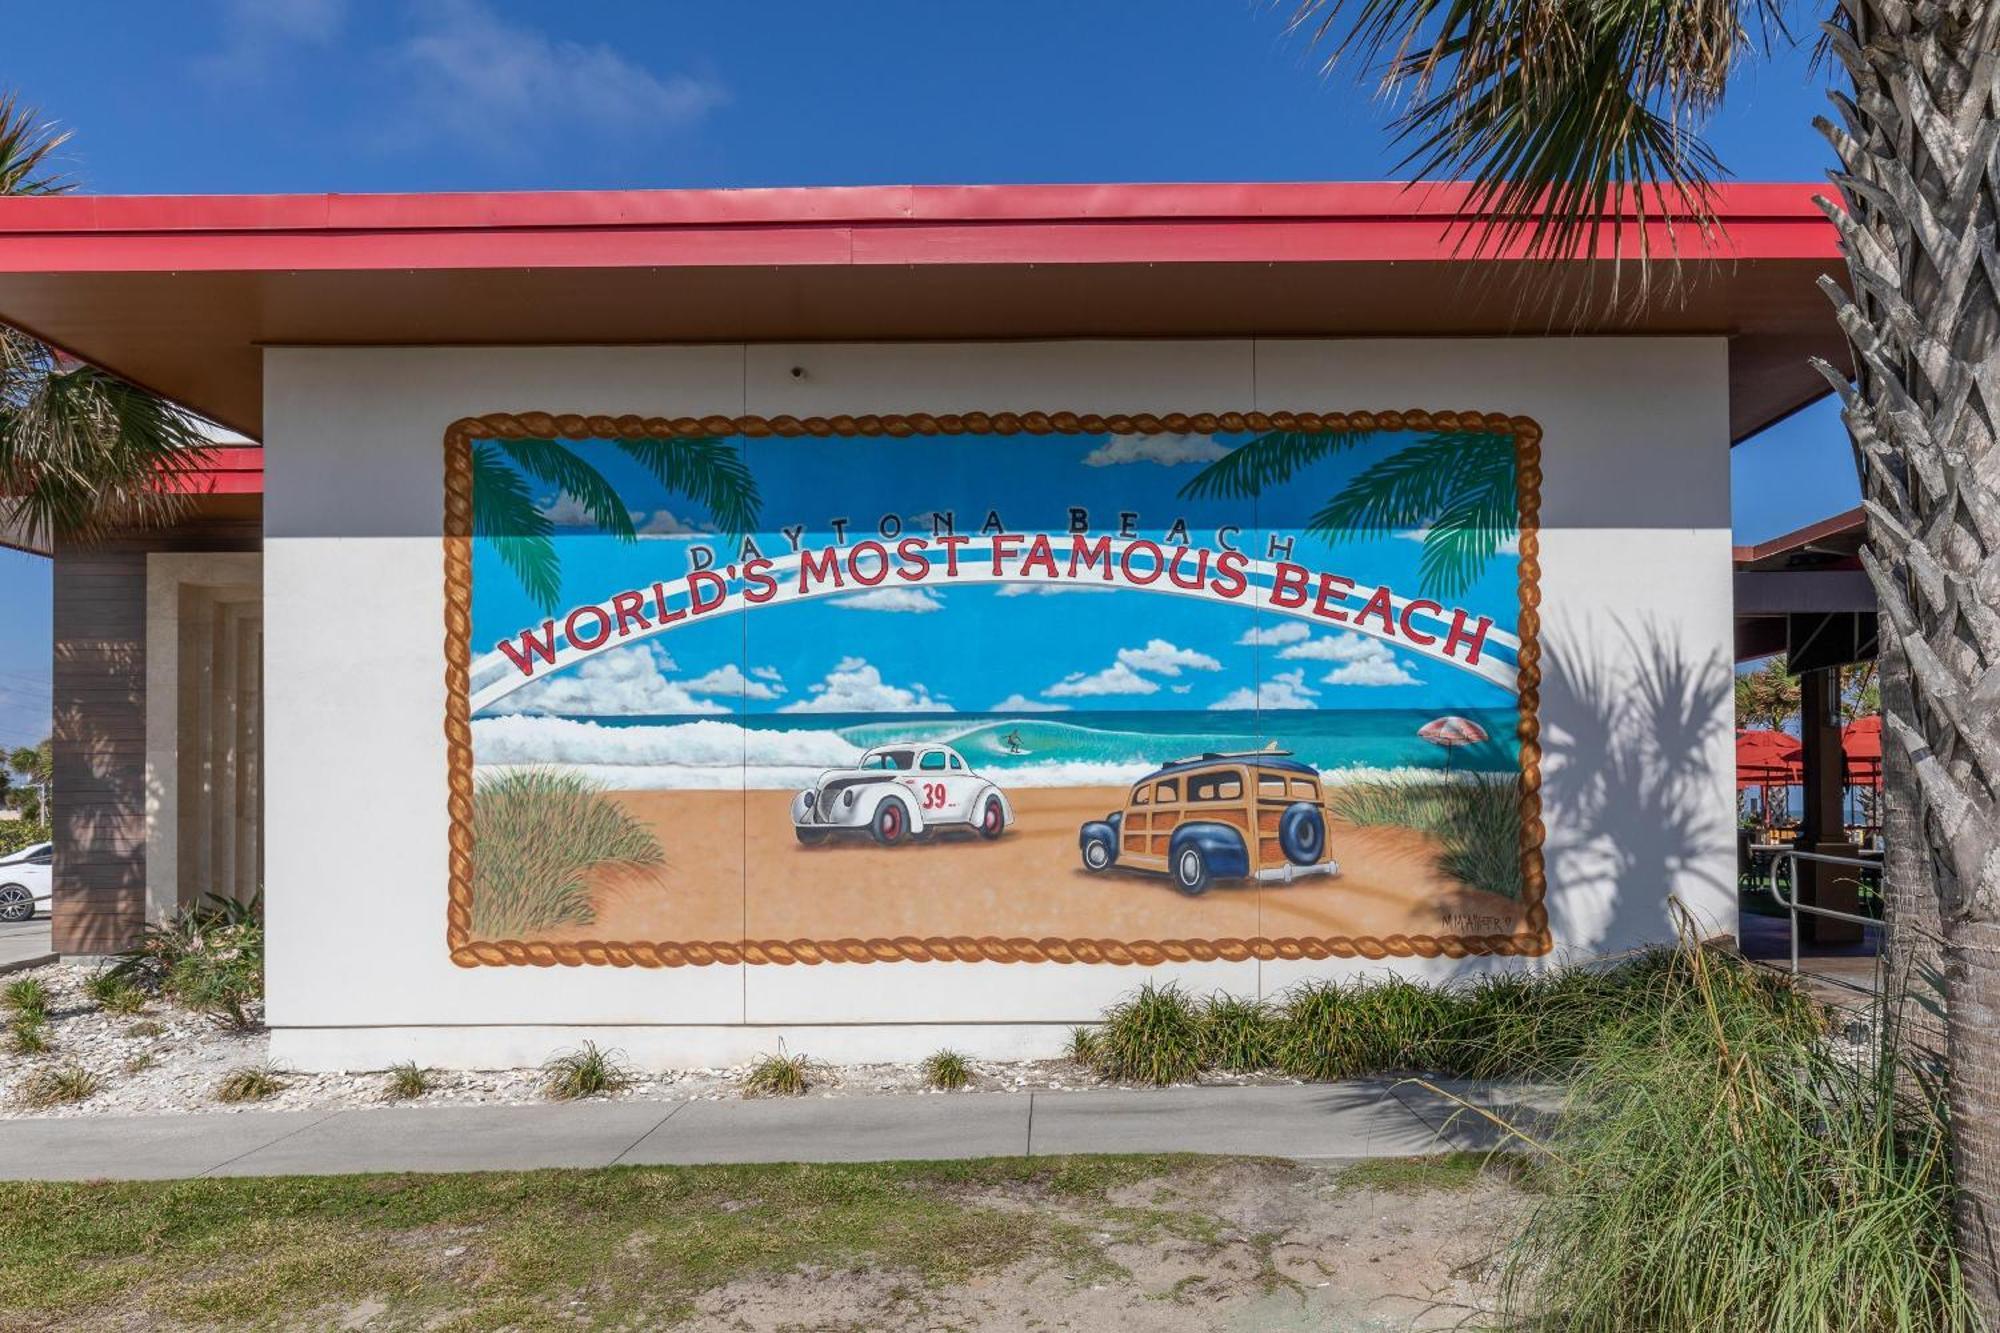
[(507, 1250)]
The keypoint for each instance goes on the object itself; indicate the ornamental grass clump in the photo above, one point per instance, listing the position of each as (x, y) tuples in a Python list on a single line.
[(59, 1086), (1719, 1166), (538, 835), (26, 998), (1081, 1048), (779, 1075), (587, 1071), (406, 1081), (27, 1036), (115, 994), (1318, 1037), (1238, 1035), (1155, 1036), (947, 1071), (251, 1083)]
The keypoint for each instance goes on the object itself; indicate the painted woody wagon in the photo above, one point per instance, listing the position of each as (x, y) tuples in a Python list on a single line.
[(1256, 815)]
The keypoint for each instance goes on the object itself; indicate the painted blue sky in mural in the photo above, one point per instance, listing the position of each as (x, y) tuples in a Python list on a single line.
[(909, 649)]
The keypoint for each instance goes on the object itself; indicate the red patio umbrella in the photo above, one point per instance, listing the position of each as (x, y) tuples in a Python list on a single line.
[(1768, 759), (1861, 744)]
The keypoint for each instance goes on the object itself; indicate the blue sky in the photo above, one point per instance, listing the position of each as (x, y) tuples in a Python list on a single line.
[(274, 95)]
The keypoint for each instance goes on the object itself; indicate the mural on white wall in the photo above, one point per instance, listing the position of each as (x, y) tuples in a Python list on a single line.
[(1016, 688)]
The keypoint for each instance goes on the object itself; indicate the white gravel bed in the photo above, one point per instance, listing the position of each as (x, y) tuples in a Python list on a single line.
[(168, 1060)]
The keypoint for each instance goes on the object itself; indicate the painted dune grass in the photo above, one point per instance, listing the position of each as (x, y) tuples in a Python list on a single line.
[(537, 835), (1475, 819)]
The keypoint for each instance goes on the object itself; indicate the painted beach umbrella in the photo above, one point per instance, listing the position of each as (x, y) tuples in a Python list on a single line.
[(1450, 732)]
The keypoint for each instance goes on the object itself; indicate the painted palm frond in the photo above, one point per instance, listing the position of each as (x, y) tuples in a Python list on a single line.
[(1458, 488), (709, 471), (1269, 460), (505, 514), (558, 465)]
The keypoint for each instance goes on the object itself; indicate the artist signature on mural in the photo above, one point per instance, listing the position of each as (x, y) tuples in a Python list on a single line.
[(1476, 923)]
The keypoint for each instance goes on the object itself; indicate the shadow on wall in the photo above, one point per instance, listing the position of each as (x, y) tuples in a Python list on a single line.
[(97, 792), (1637, 790)]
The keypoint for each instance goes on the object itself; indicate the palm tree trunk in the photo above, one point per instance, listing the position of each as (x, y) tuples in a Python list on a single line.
[(1920, 152), (1913, 934)]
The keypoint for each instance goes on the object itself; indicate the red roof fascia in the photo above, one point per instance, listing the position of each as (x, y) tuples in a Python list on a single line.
[(988, 224), (228, 470)]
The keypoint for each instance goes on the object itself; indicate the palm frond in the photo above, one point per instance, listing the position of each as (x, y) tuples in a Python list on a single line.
[(1269, 460), (82, 452), (709, 471), (1575, 120), (28, 145), (505, 513), (560, 466)]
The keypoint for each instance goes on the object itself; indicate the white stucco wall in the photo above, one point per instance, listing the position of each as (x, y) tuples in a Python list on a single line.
[(1636, 715)]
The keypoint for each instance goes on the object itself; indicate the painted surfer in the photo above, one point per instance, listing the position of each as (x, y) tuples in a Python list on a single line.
[(1012, 740)]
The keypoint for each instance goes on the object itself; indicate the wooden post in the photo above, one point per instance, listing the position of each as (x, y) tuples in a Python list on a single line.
[(1822, 827)]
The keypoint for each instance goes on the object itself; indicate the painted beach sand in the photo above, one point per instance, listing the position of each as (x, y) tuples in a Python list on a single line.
[(1192, 687)]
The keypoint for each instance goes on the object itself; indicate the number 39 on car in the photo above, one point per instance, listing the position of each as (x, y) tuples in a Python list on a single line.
[(897, 792)]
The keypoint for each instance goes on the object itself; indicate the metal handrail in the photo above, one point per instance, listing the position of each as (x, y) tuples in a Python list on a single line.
[(1794, 906)]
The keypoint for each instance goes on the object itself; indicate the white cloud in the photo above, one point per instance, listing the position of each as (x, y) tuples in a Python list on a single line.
[(1287, 689), (1363, 661), (728, 679), (855, 686), (1118, 678), (766, 673), (915, 601), (1371, 672), (620, 682), (1290, 631), (1165, 450), (503, 87), (664, 523), (565, 512), (1346, 646), (1180, 689), (1163, 658), (258, 36), (1048, 589), (1018, 703)]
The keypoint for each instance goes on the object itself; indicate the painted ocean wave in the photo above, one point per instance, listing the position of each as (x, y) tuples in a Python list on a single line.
[(1105, 749)]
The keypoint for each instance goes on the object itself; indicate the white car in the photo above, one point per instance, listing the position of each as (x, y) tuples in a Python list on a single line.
[(897, 792), (24, 881)]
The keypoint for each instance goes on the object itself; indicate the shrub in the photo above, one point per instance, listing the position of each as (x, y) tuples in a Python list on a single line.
[(59, 1085), (251, 1083), (778, 1075), (947, 1071), (208, 958), (17, 834), (1717, 1166), (406, 1081), (538, 833), (26, 998), (115, 993), (1238, 1035), (584, 1072), (1475, 819), (1153, 1037), (27, 1036), (1082, 1048)]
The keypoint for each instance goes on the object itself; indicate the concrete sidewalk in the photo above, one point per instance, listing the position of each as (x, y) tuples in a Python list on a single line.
[(25, 944), (1361, 1118)]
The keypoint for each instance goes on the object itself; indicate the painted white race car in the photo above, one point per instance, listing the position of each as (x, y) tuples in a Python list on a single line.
[(896, 792)]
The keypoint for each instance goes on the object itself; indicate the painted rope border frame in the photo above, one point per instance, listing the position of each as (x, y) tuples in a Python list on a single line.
[(1530, 940)]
